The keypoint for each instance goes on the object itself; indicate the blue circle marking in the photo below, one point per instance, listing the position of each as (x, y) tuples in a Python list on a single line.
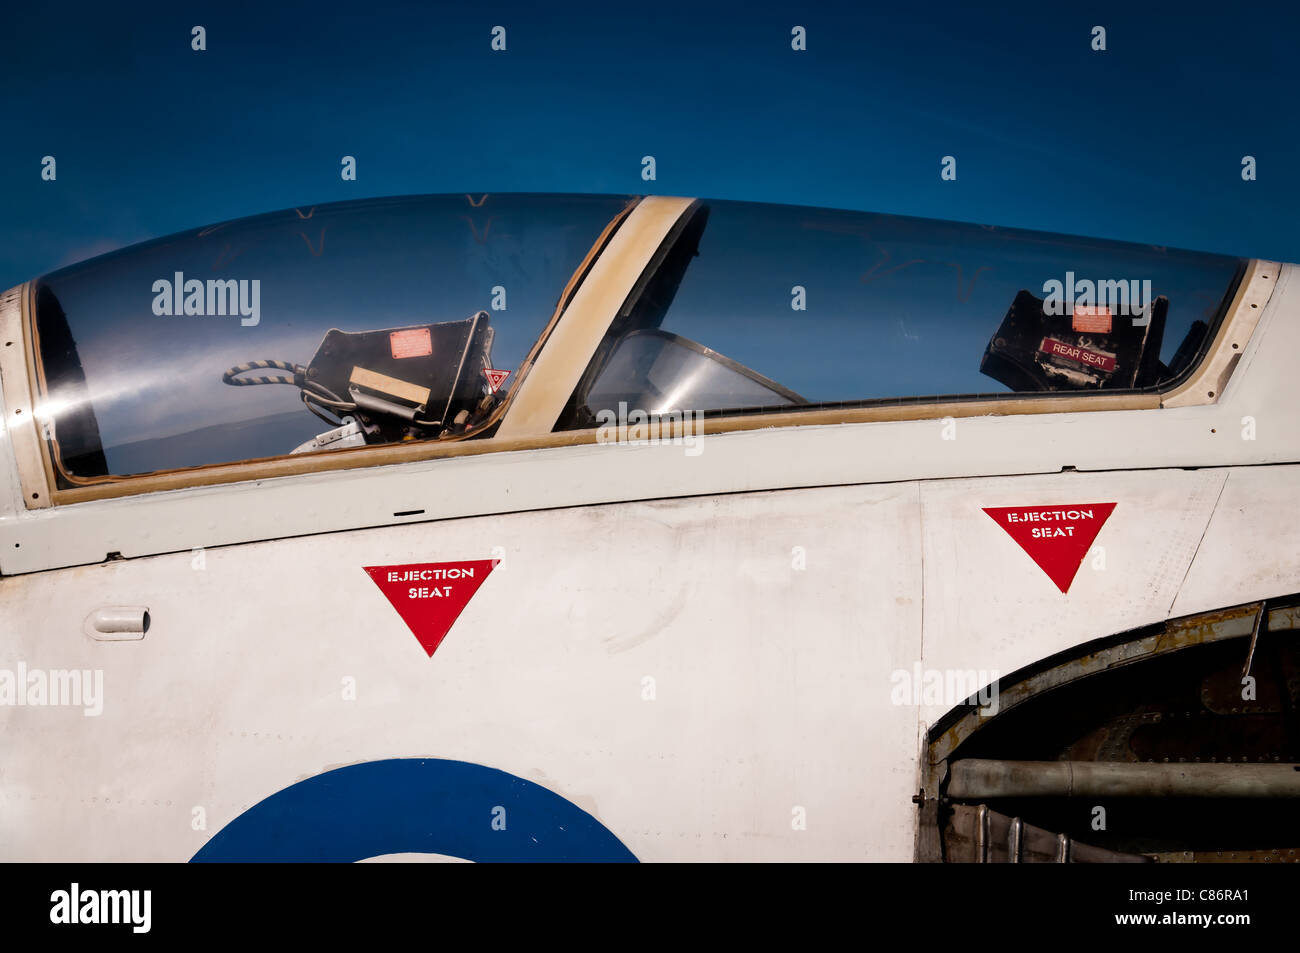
[(414, 805)]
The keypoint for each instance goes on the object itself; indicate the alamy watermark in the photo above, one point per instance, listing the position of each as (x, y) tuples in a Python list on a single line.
[(946, 687), (53, 688), (1131, 297), (679, 428), (76, 905), (214, 297)]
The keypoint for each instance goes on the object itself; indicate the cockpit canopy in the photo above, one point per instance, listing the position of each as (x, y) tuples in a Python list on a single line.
[(413, 319), (758, 308), (390, 320)]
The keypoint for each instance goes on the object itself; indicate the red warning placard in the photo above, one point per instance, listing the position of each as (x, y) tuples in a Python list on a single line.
[(1055, 537), (495, 378), (1091, 319), (413, 342), (430, 596)]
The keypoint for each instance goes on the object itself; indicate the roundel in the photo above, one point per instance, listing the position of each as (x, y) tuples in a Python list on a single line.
[(414, 806)]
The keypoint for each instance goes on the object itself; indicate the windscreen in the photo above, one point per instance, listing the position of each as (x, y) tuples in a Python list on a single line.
[(307, 330)]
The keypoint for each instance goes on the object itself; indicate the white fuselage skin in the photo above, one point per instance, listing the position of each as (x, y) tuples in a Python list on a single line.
[(700, 651)]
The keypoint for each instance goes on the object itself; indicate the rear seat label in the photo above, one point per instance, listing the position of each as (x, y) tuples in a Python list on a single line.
[(1079, 355)]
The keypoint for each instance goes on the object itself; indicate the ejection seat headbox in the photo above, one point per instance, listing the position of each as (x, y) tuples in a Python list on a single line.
[(1081, 349), (412, 382)]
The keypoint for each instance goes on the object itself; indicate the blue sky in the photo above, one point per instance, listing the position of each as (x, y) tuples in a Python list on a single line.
[(1141, 142)]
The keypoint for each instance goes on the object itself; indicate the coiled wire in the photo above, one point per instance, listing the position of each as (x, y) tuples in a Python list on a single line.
[(314, 395)]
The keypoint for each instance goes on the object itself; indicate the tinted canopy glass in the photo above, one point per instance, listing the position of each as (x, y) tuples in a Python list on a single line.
[(765, 307), (305, 330)]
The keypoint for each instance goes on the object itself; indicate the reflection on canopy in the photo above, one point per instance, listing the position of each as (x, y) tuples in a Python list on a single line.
[(847, 308), (364, 306)]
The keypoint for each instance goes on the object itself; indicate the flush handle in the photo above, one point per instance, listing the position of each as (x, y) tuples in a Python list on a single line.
[(117, 623)]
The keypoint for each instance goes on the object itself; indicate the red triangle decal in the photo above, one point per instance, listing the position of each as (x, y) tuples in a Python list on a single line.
[(1055, 537), (431, 596), (495, 378)]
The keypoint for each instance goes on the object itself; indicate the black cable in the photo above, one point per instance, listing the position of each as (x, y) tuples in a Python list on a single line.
[(308, 404), (326, 397)]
